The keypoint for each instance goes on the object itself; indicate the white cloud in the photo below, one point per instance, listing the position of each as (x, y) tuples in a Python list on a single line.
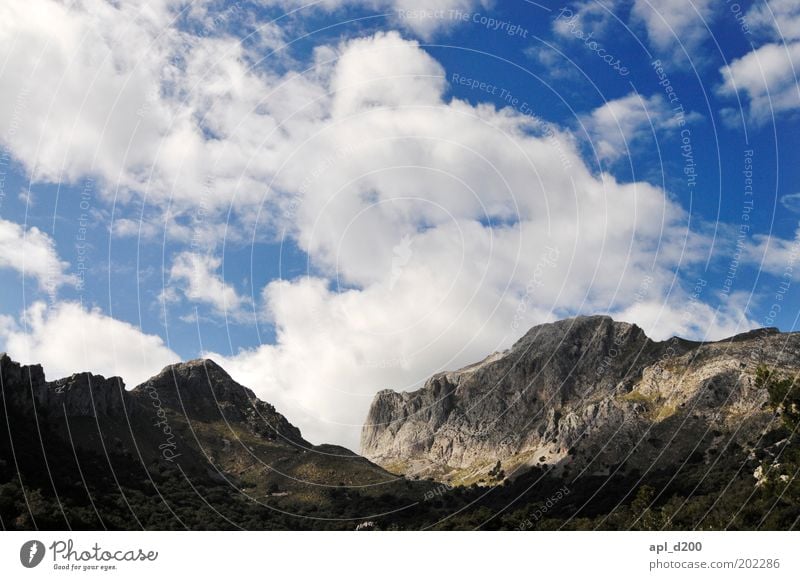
[(791, 202), (425, 18), (32, 252), (553, 64), (73, 99), (362, 81), (117, 91), (128, 228), (7, 325), (687, 317), (616, 126), (675, 25), (429, 17), (775, 255), (777, 19), (68, 338), (584, 17), (767, 76), (414, 279), (672, 26), (195, 276), (27, 197)]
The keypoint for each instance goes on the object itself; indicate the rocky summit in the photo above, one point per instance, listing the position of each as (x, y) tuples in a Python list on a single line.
[(583, 395)]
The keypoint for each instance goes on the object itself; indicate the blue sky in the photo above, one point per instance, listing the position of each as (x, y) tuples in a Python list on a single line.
[(340, 197)]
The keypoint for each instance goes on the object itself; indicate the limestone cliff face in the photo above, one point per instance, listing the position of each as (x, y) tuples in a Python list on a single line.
[(583, 393)]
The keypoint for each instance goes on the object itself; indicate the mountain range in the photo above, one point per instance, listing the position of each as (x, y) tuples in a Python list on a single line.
[(582, 423)]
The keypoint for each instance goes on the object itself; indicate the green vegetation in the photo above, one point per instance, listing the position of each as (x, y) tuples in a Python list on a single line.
[(781, 471), (784, 395)]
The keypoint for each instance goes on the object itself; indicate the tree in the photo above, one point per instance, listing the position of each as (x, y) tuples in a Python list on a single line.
[(784, 395), (643, 516), (781, 476)]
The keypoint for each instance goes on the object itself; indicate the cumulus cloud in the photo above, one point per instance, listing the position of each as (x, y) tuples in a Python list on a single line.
[(196, 277), (791, 202), (675, 25), (671, 26), (691, 316), (32, 252), (441, 231), (146, 106), (7, 325), (766, 77), (673, 22), (775, 19), (68, 338), (617, 126), (775, 255), (128, 228), (72, 94)]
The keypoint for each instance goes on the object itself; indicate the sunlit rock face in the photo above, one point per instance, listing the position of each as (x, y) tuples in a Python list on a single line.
[(585, 393)]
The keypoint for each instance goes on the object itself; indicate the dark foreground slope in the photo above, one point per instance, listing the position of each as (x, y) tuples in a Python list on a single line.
[(188, 448)]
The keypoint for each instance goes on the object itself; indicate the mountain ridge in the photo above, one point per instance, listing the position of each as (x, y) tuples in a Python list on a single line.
[(191, 416), (588, 405)]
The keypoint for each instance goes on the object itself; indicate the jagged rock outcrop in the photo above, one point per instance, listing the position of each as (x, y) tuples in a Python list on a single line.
[(80, 395), (198, 390), (201, 390), (191, 418), (583, 393)]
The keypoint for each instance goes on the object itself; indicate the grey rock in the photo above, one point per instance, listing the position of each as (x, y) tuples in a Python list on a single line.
[(583, 393), (192, 419)]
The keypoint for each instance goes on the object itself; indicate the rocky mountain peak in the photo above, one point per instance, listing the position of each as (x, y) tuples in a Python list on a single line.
[(582, 390), (13, 371), (593, 330), (200, 388)]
